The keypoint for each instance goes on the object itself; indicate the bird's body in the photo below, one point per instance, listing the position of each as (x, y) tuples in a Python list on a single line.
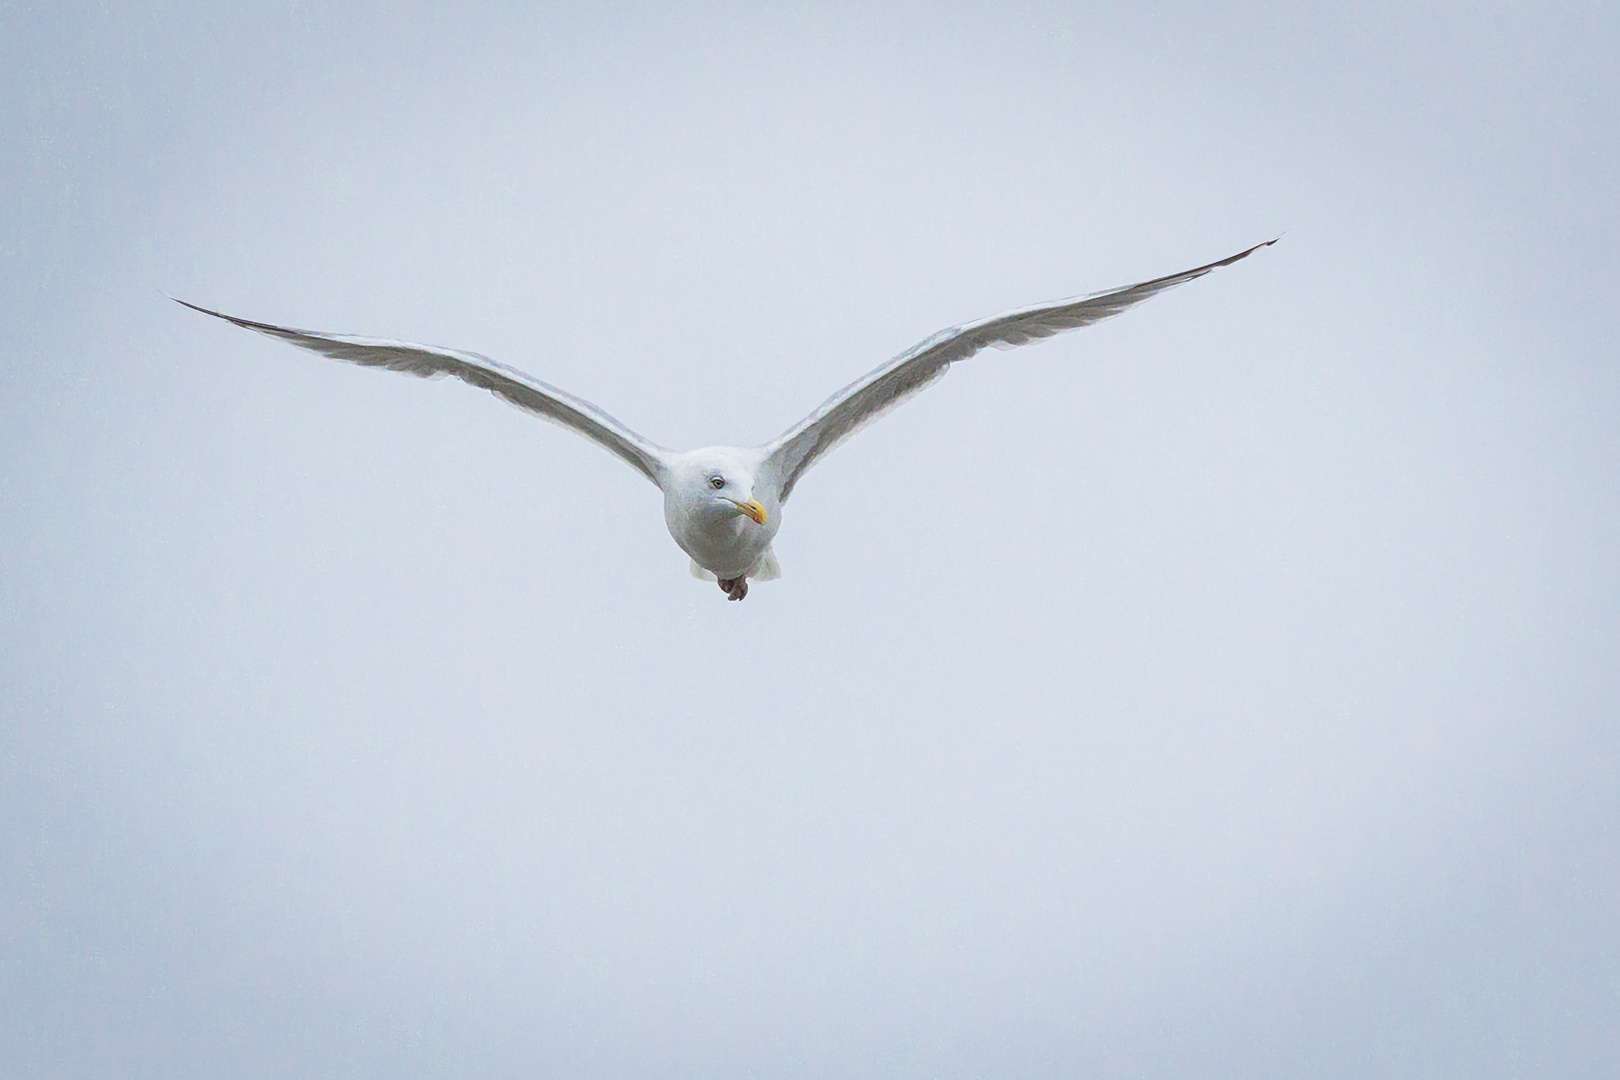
[(704, 519), (723, 504)]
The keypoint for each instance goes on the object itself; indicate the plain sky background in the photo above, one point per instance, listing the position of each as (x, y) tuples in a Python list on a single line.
[(1231, 689)]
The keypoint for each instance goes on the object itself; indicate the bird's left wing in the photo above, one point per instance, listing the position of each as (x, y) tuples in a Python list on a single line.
[(874, 394), (508, 383)]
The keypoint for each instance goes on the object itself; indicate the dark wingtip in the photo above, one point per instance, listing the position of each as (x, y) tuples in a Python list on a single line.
[(246, 324), (1244, 254), (194, 307)]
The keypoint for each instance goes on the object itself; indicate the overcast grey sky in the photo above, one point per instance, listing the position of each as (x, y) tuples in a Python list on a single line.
[(1229, 689)]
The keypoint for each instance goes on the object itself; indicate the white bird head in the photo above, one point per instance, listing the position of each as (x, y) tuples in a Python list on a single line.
[(721, 482)]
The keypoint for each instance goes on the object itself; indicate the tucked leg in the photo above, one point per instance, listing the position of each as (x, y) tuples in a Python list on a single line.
[(735, 588)]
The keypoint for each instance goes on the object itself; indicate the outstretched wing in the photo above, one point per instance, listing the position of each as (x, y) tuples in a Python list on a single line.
[(869, 397), (510, 384)]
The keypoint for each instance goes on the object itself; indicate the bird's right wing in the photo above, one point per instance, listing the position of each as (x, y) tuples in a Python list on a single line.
[(508, 383), (881, 389)]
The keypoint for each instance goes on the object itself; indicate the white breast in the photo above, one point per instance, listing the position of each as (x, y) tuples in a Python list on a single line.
[(726, 545)]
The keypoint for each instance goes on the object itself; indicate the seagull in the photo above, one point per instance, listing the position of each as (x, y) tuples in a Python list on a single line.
[(723, 504)]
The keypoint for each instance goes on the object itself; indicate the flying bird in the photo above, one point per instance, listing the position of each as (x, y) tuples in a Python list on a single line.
[(723, 504)]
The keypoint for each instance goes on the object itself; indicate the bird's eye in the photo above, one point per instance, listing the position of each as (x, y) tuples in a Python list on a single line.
[(717, 481)]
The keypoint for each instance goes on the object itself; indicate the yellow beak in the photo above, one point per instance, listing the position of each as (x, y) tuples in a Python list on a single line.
[(752, 508)]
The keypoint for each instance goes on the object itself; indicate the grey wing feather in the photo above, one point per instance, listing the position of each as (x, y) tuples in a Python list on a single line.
[(874, 394), (508, 383)]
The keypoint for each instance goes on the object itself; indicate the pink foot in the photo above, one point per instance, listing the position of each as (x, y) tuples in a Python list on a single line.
[(735, 588)]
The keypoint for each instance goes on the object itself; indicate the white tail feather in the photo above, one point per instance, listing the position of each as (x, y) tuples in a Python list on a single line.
[(767, 568)]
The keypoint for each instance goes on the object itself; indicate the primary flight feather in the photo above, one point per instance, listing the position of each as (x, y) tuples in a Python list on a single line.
[(723, 504)]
